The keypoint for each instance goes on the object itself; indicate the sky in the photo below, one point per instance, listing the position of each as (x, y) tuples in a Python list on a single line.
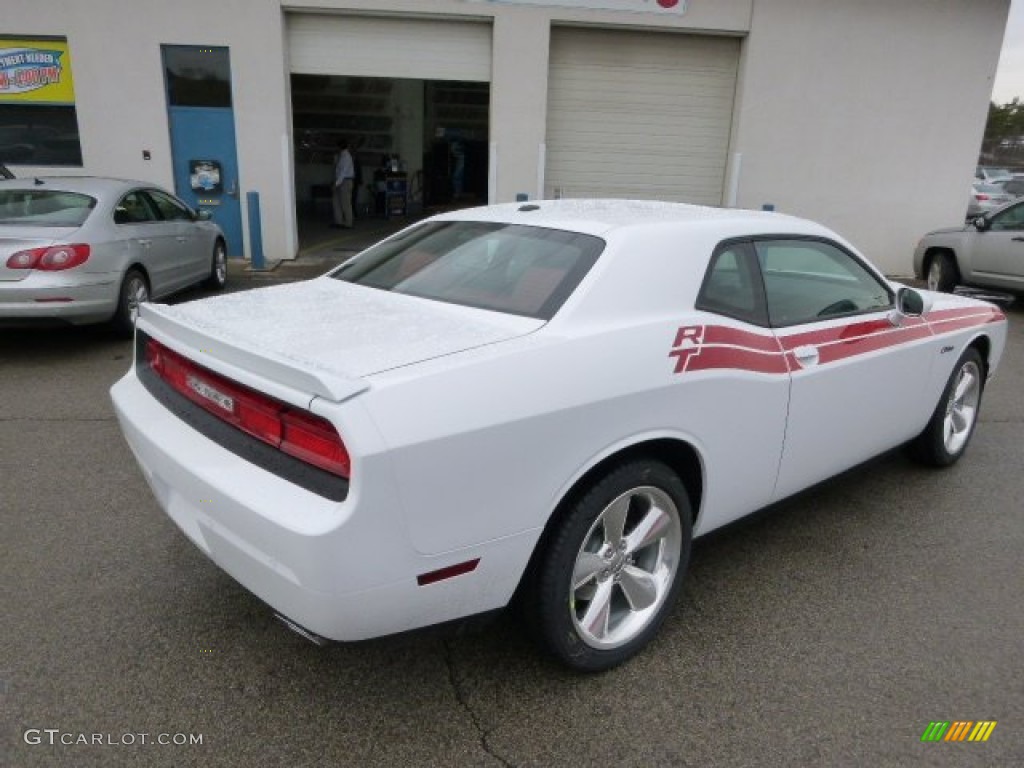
[(1010, 75)]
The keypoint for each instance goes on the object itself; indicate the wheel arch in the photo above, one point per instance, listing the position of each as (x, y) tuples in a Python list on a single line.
[(983, 344), (138, 267), (935, 250), (678, 454)]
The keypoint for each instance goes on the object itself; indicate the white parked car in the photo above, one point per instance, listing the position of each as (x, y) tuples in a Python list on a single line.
[(546, 400)]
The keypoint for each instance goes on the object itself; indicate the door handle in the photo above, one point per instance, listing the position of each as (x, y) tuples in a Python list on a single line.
[(145, 243), (806, 355), (181, 239), (232, 191), (1017, 239)]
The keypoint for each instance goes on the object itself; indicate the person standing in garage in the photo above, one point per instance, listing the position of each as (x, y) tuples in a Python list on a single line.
[(344, 178)]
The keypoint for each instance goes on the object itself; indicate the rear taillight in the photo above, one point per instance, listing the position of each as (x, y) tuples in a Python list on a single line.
[(981, 197), (298, 433), (50, 259)]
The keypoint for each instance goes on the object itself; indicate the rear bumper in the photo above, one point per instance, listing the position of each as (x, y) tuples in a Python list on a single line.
[(63, 296), (343, 570)]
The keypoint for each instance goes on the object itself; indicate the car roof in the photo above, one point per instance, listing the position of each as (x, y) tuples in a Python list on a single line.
[(601, 216), (86, 185)]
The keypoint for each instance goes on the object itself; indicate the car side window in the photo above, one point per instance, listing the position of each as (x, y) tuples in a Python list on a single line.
[(807, 281), (1010, 220), (170, 209), (732, 286), (133, 208)]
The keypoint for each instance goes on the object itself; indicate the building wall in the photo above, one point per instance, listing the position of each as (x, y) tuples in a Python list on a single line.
[(120, 98), (867, 116)]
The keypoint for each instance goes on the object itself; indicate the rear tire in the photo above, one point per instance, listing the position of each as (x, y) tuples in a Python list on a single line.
[(951, 426), (134, 291), (612, 568), (942, 273), (218, 268)]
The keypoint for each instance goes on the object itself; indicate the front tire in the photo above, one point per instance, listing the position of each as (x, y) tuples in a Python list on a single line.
[(942, 273), (613, 567), (952, 424), (218, 268), (134, 292)]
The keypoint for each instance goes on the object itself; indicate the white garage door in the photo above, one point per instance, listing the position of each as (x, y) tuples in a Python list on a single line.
[(639, 114), (364, 46)]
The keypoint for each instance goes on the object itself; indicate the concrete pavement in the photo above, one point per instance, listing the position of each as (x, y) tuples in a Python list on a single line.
[(827, 632)]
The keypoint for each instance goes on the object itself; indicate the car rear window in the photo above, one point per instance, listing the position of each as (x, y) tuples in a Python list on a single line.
[(509, 268), (44, 208)]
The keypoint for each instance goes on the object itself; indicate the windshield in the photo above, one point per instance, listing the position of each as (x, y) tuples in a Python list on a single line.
[(44, 208), (509, 268)]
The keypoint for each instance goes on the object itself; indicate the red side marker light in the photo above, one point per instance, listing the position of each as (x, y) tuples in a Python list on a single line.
[(451, 571)]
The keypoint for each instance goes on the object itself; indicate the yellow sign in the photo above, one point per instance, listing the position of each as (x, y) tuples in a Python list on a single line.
[(36, 71)]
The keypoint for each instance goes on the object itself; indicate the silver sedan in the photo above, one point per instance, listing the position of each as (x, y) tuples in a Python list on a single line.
[(89, 250)]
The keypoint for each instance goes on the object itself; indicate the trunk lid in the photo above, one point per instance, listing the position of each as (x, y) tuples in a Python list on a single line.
[(324, 336)]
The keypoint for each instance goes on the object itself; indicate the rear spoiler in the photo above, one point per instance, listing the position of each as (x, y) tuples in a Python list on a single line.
[(215, 352)]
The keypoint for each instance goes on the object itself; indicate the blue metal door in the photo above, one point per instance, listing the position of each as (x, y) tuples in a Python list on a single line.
[(202, 124), (206, 166)]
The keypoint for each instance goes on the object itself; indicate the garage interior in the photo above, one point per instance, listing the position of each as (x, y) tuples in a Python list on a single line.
[(411, 97), (420, 146)]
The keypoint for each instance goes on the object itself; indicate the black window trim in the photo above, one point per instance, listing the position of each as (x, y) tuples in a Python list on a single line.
[(869, 268)]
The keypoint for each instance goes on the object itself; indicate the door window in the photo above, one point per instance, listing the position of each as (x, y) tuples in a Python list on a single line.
[(1012, 219), (133, 208), (808, 281), (170, 209)]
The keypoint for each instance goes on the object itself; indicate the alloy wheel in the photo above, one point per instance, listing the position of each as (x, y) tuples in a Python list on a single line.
[(625, 568), (962, 408)]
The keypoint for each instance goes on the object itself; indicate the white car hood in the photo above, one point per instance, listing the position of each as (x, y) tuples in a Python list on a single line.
[(334, 327)]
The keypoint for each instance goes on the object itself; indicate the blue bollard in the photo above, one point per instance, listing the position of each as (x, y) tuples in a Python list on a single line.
[(255, 230)]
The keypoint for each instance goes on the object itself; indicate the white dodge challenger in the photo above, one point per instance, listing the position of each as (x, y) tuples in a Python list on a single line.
[(546, 401)]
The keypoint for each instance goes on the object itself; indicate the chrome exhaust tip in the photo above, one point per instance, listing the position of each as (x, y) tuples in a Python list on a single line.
[(302, 631)]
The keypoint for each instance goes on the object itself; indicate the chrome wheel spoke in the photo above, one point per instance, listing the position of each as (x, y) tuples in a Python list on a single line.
[(614, 520), (639, 587), (588, 566), (650, 529), (963, 386), (596, 617), (958, 421)]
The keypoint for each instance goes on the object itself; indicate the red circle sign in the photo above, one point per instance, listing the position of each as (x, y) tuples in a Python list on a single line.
[(668, 3)]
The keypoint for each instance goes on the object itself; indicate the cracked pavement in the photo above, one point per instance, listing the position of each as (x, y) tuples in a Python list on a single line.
[(829, 630)]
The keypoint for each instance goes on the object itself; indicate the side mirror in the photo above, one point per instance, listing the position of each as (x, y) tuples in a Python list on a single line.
[(203, 215), (981, 224), (910, 303)]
